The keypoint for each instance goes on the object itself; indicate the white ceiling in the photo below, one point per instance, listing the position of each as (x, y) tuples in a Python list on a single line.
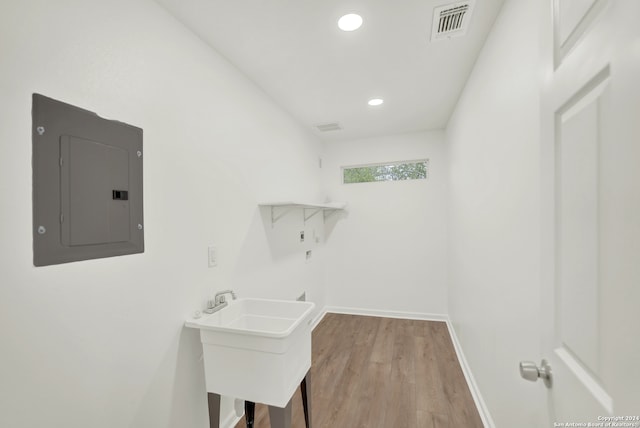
[(295, 52)]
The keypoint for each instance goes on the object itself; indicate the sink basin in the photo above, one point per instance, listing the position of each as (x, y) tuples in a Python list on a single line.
[(256, 349), (258, 317)]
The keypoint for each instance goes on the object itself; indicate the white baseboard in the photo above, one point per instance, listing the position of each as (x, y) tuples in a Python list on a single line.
[(483, 410), (471, 383), (384, 313), (231, 420), (318, 318)]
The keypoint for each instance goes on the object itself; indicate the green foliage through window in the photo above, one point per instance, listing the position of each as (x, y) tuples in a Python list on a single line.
[(414, 170)]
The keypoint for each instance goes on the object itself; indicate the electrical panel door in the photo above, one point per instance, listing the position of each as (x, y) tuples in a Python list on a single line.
[(87, 185)]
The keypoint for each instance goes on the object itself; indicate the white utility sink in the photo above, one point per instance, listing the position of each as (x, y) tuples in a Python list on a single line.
[(256, 349)]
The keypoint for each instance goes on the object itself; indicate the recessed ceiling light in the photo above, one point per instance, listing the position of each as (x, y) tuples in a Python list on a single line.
[(375, 101), (350, 22)]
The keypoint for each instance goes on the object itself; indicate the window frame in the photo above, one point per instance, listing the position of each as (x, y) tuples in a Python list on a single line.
[(394, 163)]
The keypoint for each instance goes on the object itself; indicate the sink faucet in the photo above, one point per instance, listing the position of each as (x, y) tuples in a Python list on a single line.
[(219, 301)]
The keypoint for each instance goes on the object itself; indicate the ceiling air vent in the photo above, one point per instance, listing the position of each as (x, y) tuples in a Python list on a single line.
[(451, 20), (326, 127)]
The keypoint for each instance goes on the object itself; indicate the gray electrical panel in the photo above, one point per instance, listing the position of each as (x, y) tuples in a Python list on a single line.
[(87, 185)]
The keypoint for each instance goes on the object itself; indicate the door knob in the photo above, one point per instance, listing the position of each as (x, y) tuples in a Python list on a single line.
[(530, 371)]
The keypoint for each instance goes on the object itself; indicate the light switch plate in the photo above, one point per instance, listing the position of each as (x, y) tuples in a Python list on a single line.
[(213, 256)]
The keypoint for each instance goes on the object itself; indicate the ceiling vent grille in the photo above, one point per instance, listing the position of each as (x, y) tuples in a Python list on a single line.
[(451, 20), (326, 127)]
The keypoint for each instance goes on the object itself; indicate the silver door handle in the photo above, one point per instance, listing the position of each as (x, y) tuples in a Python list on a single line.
[(530, 371)]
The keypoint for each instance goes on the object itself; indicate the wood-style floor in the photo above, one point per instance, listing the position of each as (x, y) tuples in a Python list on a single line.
[(383, 373)]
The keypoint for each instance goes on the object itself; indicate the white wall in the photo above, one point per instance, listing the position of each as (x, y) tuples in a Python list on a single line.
[(389, 251), (101, 343), (494, 261)]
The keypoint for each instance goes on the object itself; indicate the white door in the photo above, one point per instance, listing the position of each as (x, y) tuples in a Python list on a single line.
[(591, 210)]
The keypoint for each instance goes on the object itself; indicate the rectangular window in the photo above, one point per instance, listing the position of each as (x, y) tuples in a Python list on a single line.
[(391, 171)]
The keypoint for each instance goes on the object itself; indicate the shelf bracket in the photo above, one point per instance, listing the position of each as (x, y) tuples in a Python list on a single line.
[(329, 213), (275, 216), (307, 217)]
